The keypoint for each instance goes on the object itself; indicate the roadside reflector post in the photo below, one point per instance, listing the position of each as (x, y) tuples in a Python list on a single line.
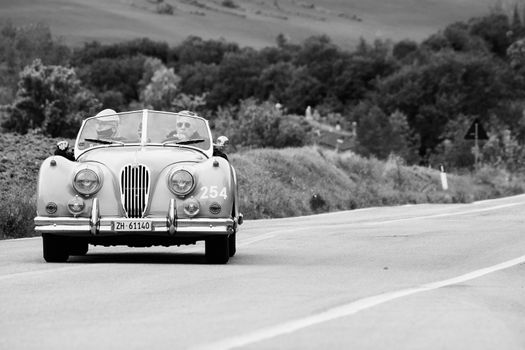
[(444, 182)]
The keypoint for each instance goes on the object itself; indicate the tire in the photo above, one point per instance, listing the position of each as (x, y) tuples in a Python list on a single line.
[(217, 250), (55, 248), (78, 247), (232, 244)]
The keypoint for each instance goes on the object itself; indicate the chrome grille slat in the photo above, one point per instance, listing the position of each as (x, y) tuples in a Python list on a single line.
[(134, 190)]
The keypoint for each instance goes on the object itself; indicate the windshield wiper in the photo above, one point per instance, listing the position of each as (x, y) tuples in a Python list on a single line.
[(104, 142), (184, 142)]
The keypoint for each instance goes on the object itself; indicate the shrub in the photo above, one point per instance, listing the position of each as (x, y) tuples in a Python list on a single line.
[(261, 125), (229, 4), (17, 211), (164, 8), (50, 98)]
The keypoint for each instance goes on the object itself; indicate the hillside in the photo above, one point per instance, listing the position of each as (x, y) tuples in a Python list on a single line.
[(253, 23)]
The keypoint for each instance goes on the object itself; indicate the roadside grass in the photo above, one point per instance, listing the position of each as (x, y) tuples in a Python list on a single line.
[(274, 183), (21, 156), (309, 180)]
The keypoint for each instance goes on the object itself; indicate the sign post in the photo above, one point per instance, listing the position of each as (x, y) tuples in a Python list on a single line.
[(476, 132)]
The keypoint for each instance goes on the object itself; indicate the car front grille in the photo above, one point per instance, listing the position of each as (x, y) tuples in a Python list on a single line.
[(134, 190)]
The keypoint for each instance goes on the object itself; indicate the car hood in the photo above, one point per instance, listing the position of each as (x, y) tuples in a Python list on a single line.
[(153, 157)]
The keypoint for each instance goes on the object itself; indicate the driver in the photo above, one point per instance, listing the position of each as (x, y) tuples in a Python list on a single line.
[(185, 129), (107, 127)]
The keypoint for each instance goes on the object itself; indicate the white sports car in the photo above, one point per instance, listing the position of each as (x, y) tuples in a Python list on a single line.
[(139, 179)]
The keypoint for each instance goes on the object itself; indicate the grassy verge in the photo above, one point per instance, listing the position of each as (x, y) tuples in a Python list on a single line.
[(291, 182), (273, 183)]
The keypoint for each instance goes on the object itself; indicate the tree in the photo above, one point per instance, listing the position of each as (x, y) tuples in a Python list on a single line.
[(198, 78), (161, 89), (495, 30), (261, 125), (404, 48), (373, 131), (503, 149), (50, 98), (122, 74), (454, 152), (516, 54), (93, 51), (274, 80), (237, 78), (303, 90), (196, 50), (448, 85), (19, 46), (400, 139)]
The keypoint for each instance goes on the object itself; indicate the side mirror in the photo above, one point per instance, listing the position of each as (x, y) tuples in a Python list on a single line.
[(222, 142)]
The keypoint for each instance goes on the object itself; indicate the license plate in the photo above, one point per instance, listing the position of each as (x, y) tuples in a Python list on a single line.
[(132, 225)]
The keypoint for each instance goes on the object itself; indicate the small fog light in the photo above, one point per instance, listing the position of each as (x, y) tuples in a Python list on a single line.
[(75, 205), (215, 208), (191, 207), (51, 208)]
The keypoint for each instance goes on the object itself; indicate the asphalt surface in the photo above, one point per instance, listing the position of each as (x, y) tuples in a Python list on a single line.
[(408, 277)]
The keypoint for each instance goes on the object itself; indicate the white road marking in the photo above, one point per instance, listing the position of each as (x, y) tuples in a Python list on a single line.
[(348, 309), (38, 272), (256, 239), (497, 199), (473, 211)]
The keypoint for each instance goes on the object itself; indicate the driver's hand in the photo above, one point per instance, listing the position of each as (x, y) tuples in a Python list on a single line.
[(62, 145), (176, 136)]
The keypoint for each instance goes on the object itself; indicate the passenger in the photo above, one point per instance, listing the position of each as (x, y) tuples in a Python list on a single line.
[(106, 129)]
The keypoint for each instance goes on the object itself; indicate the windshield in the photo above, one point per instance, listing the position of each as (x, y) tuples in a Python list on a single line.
[(144, 128)]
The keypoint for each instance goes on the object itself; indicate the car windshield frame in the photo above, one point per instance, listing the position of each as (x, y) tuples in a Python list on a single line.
[(145, 128)]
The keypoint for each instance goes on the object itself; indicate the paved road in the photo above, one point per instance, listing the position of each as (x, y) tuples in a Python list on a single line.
[(410, 277)]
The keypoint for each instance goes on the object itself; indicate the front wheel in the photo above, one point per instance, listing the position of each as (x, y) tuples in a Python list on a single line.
[(55, 248), (232, 244), (217, 250), (78, 247)]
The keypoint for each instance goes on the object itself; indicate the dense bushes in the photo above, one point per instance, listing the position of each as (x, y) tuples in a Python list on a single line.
[(50, 98), (261, 125)]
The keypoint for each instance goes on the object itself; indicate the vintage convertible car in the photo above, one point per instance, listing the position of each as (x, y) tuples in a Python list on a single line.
[(139, 179)]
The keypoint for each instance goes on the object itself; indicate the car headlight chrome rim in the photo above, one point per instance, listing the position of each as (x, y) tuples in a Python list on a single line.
[(87, 181), (181, 182)]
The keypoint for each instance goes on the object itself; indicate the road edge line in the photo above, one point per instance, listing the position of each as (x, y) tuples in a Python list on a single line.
[(349, 309)]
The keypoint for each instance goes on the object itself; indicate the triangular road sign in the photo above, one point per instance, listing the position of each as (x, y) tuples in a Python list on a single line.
[(471, 132)]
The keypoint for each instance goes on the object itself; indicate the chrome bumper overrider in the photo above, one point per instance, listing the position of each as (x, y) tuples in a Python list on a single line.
[(96, 225)]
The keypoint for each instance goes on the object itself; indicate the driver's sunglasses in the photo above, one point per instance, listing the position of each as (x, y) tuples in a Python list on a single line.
[(185, 124)]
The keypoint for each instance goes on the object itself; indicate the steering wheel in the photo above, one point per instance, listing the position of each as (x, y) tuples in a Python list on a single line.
[(173, 137)]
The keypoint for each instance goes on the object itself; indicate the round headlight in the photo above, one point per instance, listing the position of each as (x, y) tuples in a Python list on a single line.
[(181, 182), (86, 181)]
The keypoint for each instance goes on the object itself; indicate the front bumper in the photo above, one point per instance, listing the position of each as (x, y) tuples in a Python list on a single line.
[(104, 226)]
